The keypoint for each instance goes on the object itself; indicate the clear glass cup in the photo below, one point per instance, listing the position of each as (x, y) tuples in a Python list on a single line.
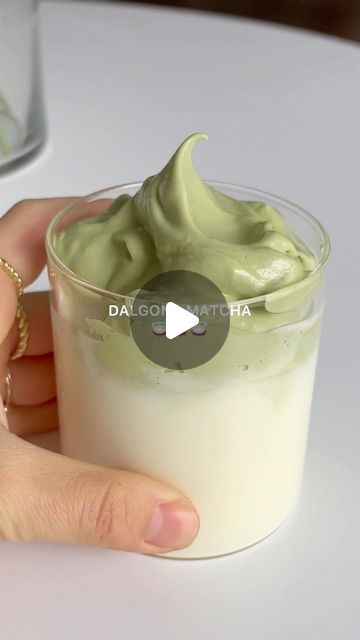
[(231, 434), (22, 121)]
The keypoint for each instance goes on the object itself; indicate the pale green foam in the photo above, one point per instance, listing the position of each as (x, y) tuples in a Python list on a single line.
[(176, 221)]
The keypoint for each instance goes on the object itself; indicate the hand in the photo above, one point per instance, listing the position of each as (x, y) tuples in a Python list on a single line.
[(43, 495)]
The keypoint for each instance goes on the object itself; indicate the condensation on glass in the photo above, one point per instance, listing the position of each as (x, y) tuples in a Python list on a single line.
[(22, 121)]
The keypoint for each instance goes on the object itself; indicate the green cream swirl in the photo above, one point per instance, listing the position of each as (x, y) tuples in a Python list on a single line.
[(176, 221)]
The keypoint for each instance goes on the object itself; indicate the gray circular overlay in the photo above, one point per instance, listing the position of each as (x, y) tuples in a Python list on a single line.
[(194, 293)]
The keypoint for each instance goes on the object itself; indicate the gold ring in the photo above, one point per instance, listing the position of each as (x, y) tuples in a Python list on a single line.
[(7, 395), (23, 326), (5, 266), (21, 315)]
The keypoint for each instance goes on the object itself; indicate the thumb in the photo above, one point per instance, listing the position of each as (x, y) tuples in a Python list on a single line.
[(46, 496)]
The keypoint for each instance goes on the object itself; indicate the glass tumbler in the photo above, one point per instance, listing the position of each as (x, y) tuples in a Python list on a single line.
[(22, 121), (231, 433)]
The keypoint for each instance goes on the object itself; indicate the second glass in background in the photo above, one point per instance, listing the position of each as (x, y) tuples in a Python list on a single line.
[(22, 120)]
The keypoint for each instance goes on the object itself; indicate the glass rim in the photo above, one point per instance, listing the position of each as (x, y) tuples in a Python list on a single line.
[(302, 213)]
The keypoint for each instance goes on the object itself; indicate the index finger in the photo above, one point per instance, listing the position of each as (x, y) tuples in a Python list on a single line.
[(22, 234)]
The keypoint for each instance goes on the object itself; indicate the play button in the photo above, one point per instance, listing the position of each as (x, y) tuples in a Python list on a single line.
[(179, 320)]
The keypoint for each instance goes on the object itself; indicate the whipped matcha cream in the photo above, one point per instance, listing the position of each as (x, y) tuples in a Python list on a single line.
[(175, 221)]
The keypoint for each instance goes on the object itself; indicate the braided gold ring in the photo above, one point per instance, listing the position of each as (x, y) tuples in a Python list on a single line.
[(21, 316), (23, 326), (13, 275)]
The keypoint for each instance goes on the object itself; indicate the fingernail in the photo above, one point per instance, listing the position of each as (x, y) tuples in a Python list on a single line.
[(173, 525)]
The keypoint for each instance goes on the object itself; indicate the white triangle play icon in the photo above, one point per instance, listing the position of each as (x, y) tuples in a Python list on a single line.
[(178, 320)]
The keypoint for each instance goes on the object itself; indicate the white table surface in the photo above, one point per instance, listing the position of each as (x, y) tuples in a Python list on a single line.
[(124, 86)]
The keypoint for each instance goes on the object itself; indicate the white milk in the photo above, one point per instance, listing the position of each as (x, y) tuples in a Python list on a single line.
[(237, 451)]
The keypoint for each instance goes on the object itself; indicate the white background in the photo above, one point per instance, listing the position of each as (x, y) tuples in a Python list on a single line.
[(124, 86)]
